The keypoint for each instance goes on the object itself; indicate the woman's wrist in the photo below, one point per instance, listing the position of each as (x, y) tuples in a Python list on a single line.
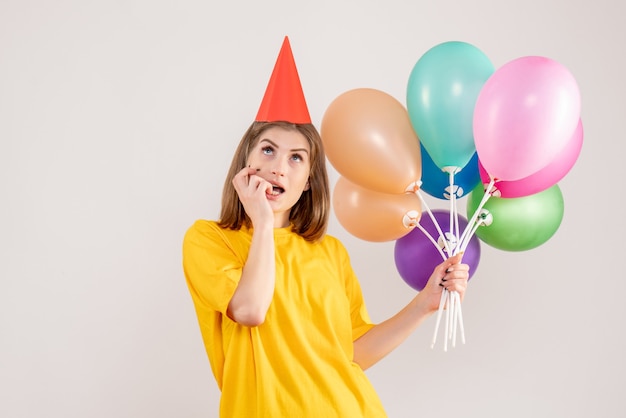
[(421, 307)]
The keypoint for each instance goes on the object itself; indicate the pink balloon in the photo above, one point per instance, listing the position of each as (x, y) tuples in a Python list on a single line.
[(524, 115), (544, 178)]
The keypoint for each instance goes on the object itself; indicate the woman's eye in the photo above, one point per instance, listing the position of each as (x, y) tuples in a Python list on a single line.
[(296, 157), (267, 150)]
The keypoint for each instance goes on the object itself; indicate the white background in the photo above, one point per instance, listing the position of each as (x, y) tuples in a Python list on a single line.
[(118, 120)]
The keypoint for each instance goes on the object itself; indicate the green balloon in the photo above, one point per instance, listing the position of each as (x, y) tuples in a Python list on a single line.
[(521, 223)]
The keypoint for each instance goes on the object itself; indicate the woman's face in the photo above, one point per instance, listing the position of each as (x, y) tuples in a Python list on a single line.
[(282, 157)]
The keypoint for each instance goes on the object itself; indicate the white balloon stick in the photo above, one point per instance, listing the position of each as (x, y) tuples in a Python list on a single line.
[(431, 239), (442, 302), (447, 326), (455, 315), (472, 221), (432, 217), (460, 315)]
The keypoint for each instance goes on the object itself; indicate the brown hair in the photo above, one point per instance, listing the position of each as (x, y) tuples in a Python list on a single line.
[(309, 215)]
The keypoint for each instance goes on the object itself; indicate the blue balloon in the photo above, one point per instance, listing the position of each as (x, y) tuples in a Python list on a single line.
[(436, 182)]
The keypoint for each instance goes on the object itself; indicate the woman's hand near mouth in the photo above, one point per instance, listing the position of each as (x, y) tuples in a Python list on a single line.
[(253, 191)]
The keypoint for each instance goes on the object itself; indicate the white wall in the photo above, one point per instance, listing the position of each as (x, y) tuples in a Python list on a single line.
[(117, 122)]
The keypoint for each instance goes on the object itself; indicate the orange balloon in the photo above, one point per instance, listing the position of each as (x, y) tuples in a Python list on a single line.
[(369, 139), (375, 216)]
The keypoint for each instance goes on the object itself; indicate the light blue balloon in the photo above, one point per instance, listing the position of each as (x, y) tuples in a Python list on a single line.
[(436, 182), (442, 91)]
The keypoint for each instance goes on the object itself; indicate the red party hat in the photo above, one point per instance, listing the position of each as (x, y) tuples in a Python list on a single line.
[(284, 99)]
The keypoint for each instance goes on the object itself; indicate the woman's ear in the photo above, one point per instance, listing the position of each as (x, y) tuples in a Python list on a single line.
[(307, 186)]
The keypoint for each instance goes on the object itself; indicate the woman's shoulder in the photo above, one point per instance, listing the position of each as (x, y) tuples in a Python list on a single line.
[(203, 227), (210, 229), (332, 242)]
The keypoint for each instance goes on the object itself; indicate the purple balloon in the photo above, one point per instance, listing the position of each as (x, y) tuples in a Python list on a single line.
[(416, 256)]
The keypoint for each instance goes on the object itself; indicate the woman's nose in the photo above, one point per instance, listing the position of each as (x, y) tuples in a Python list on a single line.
[(279, 167)]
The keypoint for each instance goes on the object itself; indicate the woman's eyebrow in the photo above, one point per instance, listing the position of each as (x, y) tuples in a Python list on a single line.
[(275, 145)]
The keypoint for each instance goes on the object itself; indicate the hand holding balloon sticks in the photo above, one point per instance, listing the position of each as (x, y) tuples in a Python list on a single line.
[(452, 243)]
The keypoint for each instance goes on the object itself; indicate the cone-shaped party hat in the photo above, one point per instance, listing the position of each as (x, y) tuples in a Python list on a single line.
[(284, 99)]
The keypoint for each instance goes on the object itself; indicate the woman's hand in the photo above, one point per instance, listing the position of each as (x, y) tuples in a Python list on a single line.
[(387, 335), (252, 191), (452, 275)]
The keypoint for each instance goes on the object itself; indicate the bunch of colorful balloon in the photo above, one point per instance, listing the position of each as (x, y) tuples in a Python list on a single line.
[(502, 137)]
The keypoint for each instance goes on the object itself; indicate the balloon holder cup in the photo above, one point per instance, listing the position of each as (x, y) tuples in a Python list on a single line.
[(410, 219), (495, 192), (451, 242), (484, 218), (413, 187), (451, 169)]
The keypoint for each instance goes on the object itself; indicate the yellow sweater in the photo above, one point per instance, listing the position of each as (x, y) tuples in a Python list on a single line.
[(299, 362)]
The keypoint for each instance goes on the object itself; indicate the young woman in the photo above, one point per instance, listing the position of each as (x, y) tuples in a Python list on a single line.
[(280, 309)]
